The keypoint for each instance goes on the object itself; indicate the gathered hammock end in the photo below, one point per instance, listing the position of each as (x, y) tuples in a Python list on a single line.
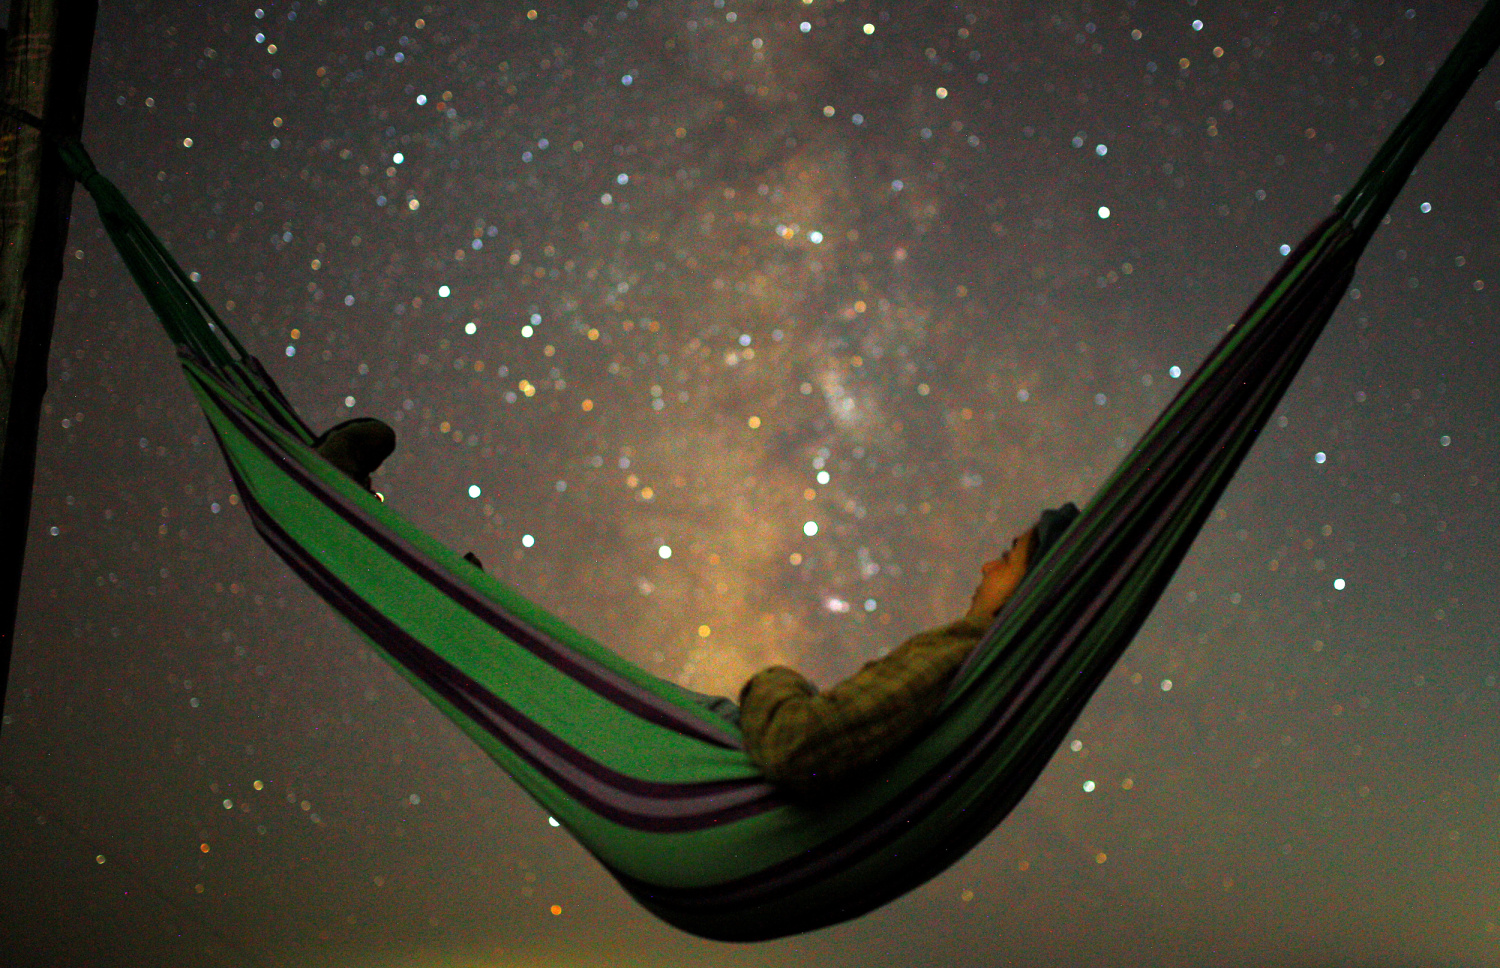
[(657, 787)]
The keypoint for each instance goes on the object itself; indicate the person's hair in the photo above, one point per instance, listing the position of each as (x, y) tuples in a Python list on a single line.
[(1054, 522)]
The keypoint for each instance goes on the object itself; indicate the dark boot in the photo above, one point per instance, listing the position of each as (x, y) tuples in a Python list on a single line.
[(357, 447)]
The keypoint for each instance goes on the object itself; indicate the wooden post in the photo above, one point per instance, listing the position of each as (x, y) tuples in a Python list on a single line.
[(46, 74)]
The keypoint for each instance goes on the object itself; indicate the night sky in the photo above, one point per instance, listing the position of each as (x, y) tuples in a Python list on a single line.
[(742, 332)]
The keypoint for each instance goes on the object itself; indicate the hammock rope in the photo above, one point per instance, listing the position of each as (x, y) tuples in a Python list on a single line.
[(655, 786)]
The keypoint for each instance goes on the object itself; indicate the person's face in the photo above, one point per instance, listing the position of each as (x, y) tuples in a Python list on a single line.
[(1020, 547), (1003, 574)]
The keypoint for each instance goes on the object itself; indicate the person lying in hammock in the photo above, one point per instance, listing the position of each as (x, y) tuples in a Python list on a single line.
[(800, 738), (806, 740)]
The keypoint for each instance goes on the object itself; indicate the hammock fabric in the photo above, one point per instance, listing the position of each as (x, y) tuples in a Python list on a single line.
[(655, 786)]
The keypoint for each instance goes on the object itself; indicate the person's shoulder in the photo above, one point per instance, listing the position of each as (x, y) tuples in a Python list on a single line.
[(777, 678), (969, 625)]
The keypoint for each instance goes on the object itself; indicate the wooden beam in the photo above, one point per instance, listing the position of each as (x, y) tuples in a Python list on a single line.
[(46, 68)]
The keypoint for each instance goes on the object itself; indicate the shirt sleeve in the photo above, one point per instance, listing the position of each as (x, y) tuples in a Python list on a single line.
[(804, 739)]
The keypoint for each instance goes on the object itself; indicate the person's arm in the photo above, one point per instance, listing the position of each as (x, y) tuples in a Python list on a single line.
[(804, 739)]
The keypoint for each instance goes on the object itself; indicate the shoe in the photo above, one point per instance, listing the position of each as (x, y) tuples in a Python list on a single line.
[(357, 447)]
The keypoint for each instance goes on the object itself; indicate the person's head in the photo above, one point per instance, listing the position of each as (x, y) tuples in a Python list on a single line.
[(1004, 574)]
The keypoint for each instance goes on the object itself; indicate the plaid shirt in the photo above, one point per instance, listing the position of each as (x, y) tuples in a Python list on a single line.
[(803, 739)]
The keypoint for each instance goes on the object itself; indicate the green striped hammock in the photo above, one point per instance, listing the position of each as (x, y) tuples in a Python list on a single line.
[(658, 788)]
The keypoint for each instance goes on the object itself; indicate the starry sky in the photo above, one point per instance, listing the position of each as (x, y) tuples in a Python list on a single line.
[(741, 332)]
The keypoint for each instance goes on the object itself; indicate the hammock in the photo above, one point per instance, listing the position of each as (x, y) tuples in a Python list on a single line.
[(654, 785)]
